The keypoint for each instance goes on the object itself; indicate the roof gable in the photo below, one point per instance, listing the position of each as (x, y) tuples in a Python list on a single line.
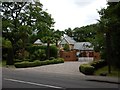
[(67, 40), (38, 41)]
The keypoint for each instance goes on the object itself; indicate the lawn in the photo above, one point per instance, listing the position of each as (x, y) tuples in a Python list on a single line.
[(115, 72), (2, 63)]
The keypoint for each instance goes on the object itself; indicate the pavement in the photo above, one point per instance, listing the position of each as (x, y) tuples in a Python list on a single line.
[(68, 68)]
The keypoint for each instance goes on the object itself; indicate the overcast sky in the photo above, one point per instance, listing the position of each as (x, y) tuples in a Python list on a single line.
[(73, 13)]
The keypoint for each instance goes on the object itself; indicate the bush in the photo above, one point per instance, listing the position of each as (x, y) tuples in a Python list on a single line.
[(25, 64), (27, 60), (37, 62), (21, 64), (39, 54), (53, 51), (44, 62), (66, 47), (30, 64), (17, 60), (61, 60), (51, 58), (87, 69), (98, 64), (51, 61), (33, 49)]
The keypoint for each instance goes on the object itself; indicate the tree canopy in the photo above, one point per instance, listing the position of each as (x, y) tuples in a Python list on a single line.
[(23, 21)]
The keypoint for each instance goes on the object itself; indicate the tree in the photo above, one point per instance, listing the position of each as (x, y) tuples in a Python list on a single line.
[(66, 47), (110, 21), (7, 46), (11, 21), (48, 38), (69, 32), (57, 36), (21, 20)]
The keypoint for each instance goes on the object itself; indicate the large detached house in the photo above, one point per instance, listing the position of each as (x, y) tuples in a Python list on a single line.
[(84, 49), (67, 40), (77, 49)]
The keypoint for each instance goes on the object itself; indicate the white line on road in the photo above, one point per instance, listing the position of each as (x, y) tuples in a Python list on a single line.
[(14, 80)]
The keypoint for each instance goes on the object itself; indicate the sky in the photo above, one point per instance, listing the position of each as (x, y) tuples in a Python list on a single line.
[(73, 13)]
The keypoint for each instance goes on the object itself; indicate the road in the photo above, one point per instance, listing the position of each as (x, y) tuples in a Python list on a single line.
[(12, 78)]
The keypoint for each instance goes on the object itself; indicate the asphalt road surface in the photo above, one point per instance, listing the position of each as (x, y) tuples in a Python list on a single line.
[(12, 78)]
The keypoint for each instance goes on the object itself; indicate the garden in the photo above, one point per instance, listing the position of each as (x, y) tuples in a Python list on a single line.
[(99, 68), (31, 56)]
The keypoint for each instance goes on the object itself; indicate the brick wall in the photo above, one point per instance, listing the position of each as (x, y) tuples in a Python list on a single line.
[(68, 56), (71, 55), (97, 56)]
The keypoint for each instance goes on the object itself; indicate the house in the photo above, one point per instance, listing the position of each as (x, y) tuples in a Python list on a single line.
[(67, 40), (84, 49), (38, 42), (77, 49)]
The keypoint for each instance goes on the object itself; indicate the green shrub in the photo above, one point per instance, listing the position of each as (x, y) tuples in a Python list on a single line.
[(51, 58), (30, 64), (21, 64), (87, 69), (61, 60), (37, 62), (26, 60), (66, 47), (26, 63), (39, 54), (48, 61), (98, 64), (44, 62), (33, 49), (53, 51), (17, 60), (51, 61)]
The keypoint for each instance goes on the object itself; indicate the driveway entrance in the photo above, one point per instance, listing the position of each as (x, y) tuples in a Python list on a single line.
[(63, 68)]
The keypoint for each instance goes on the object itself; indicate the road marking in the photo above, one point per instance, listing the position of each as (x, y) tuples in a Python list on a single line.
[(14, 80)]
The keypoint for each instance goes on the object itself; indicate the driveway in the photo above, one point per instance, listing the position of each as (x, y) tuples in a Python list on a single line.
[(62, 76), (62, 68)]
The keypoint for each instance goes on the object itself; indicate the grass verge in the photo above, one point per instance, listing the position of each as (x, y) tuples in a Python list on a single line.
[(115, 72), (2, 63)]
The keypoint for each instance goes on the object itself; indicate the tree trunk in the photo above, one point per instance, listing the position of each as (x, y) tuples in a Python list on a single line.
[(48, 50), (56, 43), (108, 51), (10, 57)]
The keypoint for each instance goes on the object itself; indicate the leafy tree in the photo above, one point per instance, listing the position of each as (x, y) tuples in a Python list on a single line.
[(48, 38), (39, 54), (7, 46), (69, 32), (110, 22), (66, 47), (11, 21), (57, 36), (22, 20)]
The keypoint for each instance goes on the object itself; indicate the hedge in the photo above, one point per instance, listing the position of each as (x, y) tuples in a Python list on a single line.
[(98, 64), (87, 69), (25, 64)]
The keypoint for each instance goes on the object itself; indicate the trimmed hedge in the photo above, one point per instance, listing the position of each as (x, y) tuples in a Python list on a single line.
[(25, 64), (87, 69), (98, 64)]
